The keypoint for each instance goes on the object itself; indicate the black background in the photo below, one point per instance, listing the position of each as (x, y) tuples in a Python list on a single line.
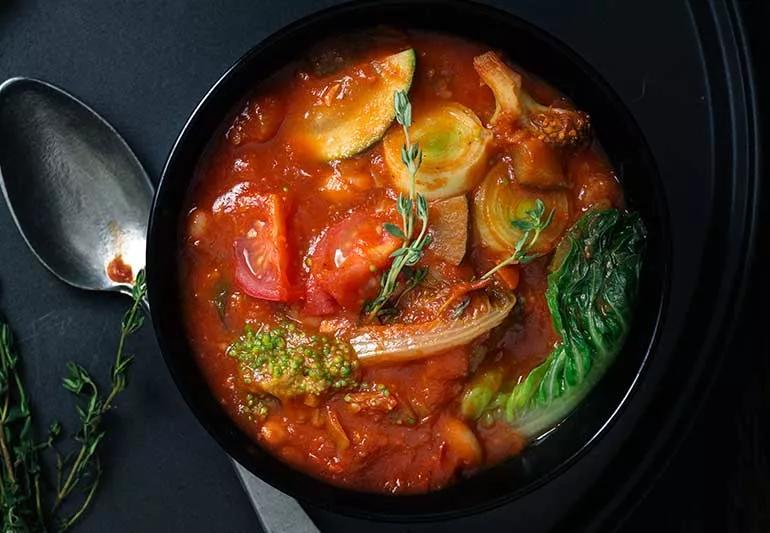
[(143, 66)]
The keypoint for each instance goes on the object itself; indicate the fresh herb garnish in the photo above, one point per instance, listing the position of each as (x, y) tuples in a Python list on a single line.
[(414, 278), (411, 249), (531, 227), (20, 490), (26, 505)]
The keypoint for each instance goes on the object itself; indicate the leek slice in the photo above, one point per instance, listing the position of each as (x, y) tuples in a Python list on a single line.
[(455, 147), (500, 199)]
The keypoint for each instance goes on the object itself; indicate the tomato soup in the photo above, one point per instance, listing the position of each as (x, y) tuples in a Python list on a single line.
[(368, 247)]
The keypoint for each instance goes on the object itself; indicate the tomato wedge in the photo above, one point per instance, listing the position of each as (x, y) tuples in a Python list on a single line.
[(347, 263), (261, 257)]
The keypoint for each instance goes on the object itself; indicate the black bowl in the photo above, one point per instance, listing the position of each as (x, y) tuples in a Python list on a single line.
[(542, 55)]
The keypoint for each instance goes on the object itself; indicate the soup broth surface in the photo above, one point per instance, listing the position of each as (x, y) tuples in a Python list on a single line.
[(290, 246)]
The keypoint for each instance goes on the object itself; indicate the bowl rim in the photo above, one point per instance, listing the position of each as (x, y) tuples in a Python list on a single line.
[(240, 454)]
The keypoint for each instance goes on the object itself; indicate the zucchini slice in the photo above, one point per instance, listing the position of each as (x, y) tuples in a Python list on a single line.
[(455, 147), (357, 109)]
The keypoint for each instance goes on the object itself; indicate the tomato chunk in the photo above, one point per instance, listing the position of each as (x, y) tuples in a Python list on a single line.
[(347, 263), (261, 256)]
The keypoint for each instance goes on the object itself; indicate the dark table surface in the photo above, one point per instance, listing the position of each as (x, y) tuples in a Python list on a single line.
[(131, 61)]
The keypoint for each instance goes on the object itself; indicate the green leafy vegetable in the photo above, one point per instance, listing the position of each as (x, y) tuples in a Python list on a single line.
[(25, 505), (591, 292), (412, 249)]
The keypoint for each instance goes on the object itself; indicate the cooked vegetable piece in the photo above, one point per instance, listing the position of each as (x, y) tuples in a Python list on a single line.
[(345, 265), (405, 342), (591, 293), (500, 201), (337, 432), (461, 442), (359, 109), (198, 224), (261, 256), (552, 125), (532, 226), (449, 229), (455, 149), (593, 181), (347, 182), (286, 362), (258, 121), (537, 164), (480, 392), (376, 400)]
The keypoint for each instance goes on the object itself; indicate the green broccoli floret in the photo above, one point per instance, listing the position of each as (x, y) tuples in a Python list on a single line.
[(553, 125), (287, 362)]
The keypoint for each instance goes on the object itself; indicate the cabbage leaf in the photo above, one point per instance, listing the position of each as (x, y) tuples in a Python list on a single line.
[(591, 293)]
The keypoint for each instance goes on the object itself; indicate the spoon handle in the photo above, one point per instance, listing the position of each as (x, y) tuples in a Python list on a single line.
[(277, 512)]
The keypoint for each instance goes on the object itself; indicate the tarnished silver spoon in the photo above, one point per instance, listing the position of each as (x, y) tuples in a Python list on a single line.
[(81, 200)]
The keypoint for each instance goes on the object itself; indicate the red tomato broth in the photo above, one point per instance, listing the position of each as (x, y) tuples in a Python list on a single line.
[(416, 445)]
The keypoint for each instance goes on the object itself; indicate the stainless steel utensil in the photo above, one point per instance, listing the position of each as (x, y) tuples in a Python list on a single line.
[(80, 199)]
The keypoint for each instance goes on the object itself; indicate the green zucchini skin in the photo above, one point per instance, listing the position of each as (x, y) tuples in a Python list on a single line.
[(350, 127)]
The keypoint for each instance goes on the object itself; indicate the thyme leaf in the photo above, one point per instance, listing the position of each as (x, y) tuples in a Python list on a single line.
[(415, 205)]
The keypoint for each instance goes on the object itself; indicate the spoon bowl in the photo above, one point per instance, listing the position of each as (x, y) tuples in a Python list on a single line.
[(76, 191)]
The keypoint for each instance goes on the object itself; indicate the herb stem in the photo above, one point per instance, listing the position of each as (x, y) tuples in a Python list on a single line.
[(90, 435), (7, 461), (411, 249), (511, 259), (6, 360), (38, 502), (69, 483), (69, 522)]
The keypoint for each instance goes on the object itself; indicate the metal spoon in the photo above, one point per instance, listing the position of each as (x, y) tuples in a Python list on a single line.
[(81, 199)]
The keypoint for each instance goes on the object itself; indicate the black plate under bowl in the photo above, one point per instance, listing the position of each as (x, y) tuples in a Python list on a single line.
[(541, 54)]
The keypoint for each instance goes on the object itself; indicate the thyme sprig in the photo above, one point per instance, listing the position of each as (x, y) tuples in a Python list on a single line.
[(411, 250), (25, 505), (531, 226), (20, 484)]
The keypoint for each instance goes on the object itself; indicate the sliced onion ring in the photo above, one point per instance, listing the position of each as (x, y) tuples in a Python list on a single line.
[(501, 199)]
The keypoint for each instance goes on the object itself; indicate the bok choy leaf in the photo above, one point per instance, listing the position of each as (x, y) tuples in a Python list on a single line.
[(591, 294)]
